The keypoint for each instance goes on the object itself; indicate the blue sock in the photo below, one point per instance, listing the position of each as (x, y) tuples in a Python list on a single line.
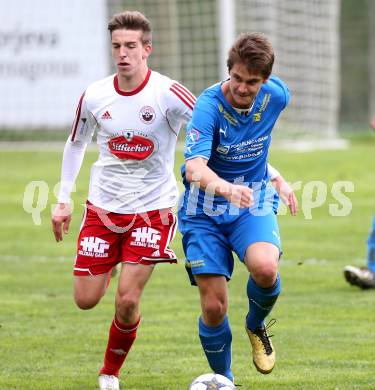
[(371, 248), (261, 301), (217, 345)]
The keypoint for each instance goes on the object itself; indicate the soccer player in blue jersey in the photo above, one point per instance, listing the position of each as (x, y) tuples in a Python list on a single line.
[(229, 204), (364, 277)]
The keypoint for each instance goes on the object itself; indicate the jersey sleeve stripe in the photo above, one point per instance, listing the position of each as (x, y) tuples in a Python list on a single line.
[(76, 120), (184, 92), (172, 231), (183, 99)]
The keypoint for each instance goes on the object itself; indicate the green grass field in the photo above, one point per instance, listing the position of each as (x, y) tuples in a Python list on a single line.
[(324, 335)]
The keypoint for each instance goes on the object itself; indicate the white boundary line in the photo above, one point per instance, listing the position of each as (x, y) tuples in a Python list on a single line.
[(293, 145), (30, 146)]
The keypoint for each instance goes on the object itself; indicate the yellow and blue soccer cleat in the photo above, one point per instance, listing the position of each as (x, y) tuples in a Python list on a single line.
[(264, 356)]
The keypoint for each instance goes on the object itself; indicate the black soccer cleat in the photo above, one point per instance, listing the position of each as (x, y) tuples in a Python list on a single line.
[(361, 277)]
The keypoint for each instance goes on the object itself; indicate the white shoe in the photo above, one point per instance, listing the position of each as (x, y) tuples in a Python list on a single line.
[(108, 382)]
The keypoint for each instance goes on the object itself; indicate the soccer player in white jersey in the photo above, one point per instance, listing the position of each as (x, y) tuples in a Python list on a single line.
[(136, 114)]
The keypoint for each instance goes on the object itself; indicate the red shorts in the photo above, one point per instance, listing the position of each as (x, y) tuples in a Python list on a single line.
[(106, 239)]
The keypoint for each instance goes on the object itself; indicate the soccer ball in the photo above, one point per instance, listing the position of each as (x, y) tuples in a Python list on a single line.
[(211, 382)]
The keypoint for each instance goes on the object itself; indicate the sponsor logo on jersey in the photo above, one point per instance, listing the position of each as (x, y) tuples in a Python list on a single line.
[(131, 147), (93, 247), (129, 135), (223, 131), (147, 115), (257, 117), (191, 138), (106, 115), (231, 119), (146, 237), (223, 149), (83, 129)]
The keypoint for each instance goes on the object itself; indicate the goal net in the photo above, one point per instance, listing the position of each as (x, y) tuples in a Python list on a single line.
[(305, 36), (185, 38), (191, 40), (188, 37)]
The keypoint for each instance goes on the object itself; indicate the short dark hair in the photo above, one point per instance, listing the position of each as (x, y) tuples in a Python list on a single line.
[(255, 51), (132, 20)]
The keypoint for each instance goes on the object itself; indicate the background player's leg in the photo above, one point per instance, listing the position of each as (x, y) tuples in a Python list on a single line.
[(364, 277), (371, 248), (214, 330)]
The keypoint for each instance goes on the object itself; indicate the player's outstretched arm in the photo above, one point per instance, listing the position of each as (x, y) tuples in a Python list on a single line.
[(200, 174), (61, 217)]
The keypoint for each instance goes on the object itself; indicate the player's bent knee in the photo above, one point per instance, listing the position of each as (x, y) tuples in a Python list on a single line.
[(265, 275), (86, 302), (89, 290)]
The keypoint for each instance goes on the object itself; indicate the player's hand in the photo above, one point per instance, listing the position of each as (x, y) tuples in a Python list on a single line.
[(241, 196), (372, 123), (61, 218), (290, 200), (286, 194)]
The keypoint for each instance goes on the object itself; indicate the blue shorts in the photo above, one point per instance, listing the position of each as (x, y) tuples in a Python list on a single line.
[(208, 241)]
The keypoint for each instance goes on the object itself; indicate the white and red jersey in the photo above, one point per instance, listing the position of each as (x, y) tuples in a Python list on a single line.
[(137, 134)]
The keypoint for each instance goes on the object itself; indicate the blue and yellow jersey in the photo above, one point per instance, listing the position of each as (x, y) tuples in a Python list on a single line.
[(235, 145)]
